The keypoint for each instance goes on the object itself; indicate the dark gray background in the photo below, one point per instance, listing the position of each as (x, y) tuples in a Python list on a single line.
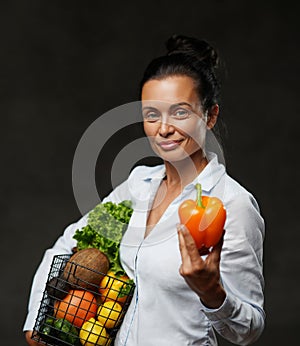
[(65, 63)]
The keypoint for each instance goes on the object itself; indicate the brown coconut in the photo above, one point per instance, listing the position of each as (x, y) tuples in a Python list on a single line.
[(86, 268)]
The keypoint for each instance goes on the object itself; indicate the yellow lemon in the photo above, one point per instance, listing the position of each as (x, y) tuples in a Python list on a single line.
[(108, 313), (93, 333)]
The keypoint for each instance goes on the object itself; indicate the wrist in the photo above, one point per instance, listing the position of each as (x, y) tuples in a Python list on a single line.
[(213, 298)]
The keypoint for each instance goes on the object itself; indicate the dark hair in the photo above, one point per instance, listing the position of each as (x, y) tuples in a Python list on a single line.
[(191, 57)]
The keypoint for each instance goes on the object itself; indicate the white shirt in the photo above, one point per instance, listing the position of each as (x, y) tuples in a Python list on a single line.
[(164, 310)]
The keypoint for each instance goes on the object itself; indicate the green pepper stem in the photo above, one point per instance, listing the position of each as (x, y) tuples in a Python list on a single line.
[(199, 195)]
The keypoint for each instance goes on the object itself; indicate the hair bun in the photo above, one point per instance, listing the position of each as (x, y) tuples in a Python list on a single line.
[(199, 49)]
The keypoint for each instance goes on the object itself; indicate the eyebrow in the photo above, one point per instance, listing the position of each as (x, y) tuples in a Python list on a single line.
[(181, 104), (175, 105)]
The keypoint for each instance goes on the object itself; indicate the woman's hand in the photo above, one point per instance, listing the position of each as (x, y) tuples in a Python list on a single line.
[(29, 341), (202, 275)]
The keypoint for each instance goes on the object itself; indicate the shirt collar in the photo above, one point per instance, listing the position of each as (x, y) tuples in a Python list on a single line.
[(157, 172), (211, 174), (208, 178)]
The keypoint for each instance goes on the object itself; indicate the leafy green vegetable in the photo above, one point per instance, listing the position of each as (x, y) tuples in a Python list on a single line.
[(55, 331), (107, 223), (125, 289), (46, 326), (110, 219), (66, 331)]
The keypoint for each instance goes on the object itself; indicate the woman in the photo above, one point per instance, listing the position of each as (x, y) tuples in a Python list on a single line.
[(182, 297)]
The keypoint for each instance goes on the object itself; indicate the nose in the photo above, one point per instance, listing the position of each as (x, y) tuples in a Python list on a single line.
[(165, 129)]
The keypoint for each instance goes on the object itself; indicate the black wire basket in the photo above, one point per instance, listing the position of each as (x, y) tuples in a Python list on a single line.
[(78, 312)]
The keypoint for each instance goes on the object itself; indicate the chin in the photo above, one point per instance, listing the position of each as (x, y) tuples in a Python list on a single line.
[(178, 154), (172, 155)]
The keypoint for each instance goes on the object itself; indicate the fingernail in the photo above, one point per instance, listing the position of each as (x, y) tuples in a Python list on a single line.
[(180, 227)]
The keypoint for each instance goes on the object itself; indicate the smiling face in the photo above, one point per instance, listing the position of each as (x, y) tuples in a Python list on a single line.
[(174, 120)]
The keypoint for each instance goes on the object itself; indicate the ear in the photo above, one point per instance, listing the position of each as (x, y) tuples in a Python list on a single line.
[(212, 116)]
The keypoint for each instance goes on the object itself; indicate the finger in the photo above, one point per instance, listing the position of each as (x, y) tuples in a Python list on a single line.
[(215, 255), (186, 265), (190, 245), (182, 247)]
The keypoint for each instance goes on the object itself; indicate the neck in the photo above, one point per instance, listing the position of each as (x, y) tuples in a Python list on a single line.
[(184, 171)]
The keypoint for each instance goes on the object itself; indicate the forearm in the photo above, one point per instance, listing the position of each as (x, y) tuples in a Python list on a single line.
[(29, 340), (38, 286), (241, 318), (62, 246), (214, 297), (237, 321)]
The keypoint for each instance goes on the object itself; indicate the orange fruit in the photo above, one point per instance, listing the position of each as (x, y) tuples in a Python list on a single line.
[(77, 307)]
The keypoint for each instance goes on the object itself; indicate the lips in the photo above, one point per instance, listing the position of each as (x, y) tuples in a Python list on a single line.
[(169, 144)]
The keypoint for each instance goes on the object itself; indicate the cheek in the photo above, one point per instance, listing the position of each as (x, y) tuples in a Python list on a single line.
[(150, 129), (194, 130), (146, 128)]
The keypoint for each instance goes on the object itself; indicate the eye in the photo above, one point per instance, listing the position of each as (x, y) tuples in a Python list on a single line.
[(151, 116), (181, 113)]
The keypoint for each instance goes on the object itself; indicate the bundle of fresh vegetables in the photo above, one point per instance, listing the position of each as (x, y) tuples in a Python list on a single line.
[(88, 292), (107, 223)]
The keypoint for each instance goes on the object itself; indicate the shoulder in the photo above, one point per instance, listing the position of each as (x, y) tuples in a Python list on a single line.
[(242, 208), (234, 191), (137, 186), (221, 184)]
